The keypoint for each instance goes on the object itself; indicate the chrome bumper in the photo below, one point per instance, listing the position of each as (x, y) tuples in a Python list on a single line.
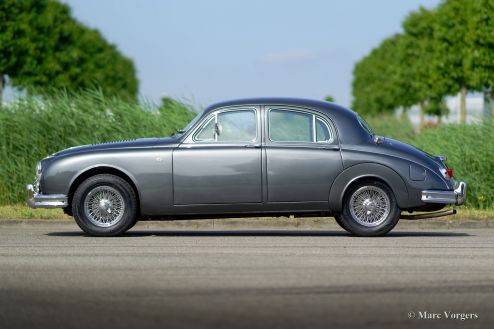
[(35, 200), (456, 196)]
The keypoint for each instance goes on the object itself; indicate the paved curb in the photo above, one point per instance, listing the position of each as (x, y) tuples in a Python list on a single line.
[(316, 223)]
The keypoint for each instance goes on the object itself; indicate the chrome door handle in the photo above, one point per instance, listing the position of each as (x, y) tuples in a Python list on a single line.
[(254, 146)]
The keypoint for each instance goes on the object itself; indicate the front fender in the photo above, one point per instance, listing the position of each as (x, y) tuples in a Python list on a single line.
[(150, 170), (367, 170)]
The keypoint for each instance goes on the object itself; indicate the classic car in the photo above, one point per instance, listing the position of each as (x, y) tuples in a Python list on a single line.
[(251, 157)]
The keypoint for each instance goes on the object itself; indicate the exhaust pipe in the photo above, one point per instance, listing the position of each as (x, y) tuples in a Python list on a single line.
[(430, 215)]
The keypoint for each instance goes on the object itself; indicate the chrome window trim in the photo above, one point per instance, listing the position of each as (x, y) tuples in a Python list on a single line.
[(332, 135), (315, 117), (214, 116), (201, 128), (314, 134)]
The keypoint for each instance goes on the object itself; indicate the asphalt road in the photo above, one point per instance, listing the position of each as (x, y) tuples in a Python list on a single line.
[(52, 276)]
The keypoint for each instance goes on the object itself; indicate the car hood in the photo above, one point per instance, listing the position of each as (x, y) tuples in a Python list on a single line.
[(125, 144)]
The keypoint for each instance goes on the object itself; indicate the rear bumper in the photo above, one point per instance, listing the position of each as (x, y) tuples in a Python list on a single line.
[(456, 196), (38, 200)]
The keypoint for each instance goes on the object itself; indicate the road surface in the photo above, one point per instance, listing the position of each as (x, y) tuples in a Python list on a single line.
[(53, 276)]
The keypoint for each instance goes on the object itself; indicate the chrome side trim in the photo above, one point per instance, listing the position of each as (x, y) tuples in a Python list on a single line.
[(456, 196), (35, 200)]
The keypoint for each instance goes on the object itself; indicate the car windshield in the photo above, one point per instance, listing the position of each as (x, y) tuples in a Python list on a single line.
[(184, 130), (365, 125)]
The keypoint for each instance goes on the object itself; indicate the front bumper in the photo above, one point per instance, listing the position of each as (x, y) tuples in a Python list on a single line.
[(456, 196), (38, 200)]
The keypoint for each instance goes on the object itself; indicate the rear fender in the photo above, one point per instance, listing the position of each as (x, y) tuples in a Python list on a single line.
[(367, 171)]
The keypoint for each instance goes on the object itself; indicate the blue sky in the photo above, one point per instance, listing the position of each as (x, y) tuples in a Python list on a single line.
[(208, 51)]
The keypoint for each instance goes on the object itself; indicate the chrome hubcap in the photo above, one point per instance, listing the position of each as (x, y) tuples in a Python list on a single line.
[(369, 206), (104, 206)]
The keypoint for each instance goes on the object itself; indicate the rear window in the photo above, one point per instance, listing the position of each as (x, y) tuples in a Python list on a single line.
[(365, 125)]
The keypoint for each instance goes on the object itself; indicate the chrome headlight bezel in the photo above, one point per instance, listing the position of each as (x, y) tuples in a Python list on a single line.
[(37, 178), (38, 169)]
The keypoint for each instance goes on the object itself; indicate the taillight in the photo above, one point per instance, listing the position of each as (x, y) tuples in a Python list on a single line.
[(449, 171)]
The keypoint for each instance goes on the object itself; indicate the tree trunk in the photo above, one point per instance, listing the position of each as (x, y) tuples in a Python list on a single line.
[(404, 112), (422, 115), (492, 108), (463, 104), (488, 112), (2, 82)]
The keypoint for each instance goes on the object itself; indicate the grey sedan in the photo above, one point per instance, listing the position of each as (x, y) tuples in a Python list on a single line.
[(254, 157)]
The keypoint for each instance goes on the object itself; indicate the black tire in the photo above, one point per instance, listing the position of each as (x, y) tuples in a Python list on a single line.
[(109, 188), (360, 224)]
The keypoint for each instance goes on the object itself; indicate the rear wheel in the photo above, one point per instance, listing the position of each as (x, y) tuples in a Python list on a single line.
[(369, 209), (105, 205)]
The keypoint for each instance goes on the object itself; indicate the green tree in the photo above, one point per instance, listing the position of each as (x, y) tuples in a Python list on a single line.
[(42, 48), (454, 48), (398, 72), (329, 98), (376, 87), (422, 65), (480, 61), (442, 51)]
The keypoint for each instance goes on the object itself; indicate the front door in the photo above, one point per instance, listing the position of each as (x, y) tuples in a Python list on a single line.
[(220, 163)]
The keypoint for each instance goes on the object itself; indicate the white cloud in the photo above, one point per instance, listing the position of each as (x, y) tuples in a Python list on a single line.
[(294, 56)]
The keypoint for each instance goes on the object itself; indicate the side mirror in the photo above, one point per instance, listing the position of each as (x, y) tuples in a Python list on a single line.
[(217, 129), (378, 139)]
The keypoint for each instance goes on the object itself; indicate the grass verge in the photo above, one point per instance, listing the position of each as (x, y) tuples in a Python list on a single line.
[(21, 211)]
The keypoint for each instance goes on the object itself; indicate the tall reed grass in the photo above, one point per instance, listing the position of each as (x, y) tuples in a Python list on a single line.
[(32, 128), (470, 152), (390, 125)]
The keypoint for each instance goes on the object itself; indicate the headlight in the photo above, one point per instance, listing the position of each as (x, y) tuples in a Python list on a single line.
[(38, 177)]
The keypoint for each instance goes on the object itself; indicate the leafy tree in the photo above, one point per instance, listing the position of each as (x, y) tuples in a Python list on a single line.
[(480, 61), (329, 98), (442, 51), (43, 48), (421, 65), (454, 48), (375, 87)]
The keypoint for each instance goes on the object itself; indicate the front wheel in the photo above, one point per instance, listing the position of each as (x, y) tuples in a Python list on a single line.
[(105, 205), (369, 209)]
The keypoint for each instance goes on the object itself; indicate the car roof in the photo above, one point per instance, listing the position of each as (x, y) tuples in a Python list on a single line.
[(300, 102)]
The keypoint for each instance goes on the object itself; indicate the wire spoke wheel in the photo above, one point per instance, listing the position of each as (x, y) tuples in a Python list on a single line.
[(369, 206), (104, 206)]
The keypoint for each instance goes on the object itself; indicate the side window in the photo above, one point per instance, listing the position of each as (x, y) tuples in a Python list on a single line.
[(323, 133), (206, 134), (296, 126), (290, 126), (230, 126)]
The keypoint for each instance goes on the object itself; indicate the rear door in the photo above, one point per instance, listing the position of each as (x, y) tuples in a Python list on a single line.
[(302, 155)]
